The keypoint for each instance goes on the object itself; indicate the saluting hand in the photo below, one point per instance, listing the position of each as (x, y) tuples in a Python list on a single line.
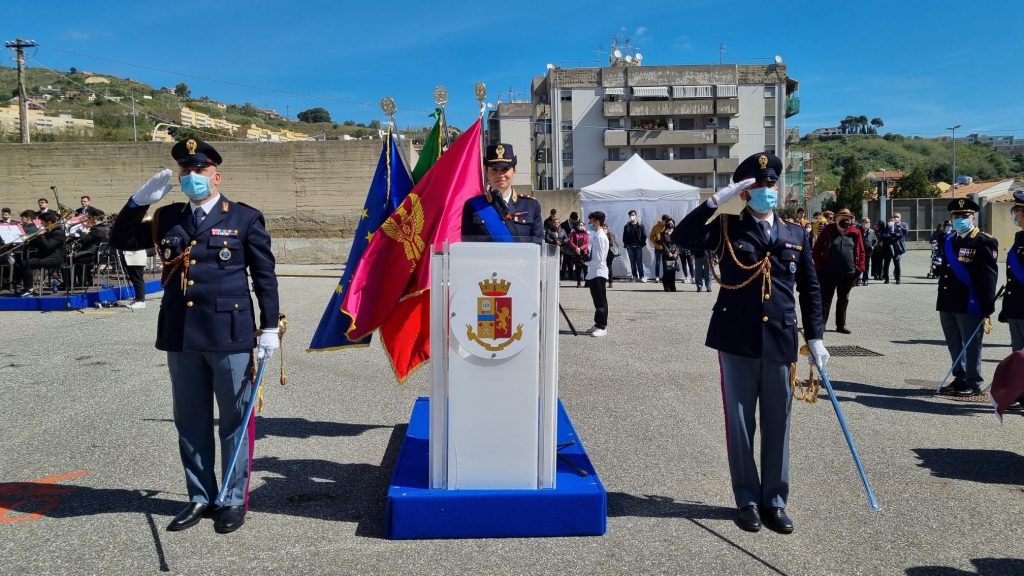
[(154, 189), (729, 192)]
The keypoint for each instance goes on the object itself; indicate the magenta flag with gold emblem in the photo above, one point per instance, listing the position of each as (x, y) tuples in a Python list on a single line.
[(390, 289)]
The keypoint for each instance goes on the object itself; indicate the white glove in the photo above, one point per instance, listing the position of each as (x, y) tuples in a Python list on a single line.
[(819, 355), (728, 193), (154, 189), (268, 342)]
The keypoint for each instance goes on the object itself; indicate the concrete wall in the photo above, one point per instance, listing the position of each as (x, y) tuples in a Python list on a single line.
[(588, 148)]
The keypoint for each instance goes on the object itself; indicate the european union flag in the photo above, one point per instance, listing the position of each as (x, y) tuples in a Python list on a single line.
[(391, 183)]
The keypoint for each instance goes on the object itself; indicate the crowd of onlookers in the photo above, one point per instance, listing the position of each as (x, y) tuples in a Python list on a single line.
[(846, 252)]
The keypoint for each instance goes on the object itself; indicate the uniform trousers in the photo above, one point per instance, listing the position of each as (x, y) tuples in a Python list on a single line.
[(832, 285), (197, 378), (1016, 334), (957, 328), (749, 384)]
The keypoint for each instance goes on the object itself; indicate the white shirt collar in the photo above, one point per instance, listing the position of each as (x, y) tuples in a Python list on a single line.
[(770, 218), (206, 206)]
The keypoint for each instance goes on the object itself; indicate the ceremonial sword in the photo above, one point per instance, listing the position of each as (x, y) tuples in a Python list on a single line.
[(242, 431)]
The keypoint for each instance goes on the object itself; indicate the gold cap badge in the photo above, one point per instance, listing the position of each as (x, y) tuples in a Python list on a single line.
[(762, 160), (500, 151), (191, 146)]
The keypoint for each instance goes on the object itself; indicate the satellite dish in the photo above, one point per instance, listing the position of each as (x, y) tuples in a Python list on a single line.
[(639, 56), (551, 66), (629, 58), (778, 59), (617, 53)]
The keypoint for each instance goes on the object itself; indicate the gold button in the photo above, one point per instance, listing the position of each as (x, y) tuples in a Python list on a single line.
[(765, 319), (768, 253), (190, 303), (724, 309), (190, 262), (225, 242), (191, 282), (236, 306), (193, 243)]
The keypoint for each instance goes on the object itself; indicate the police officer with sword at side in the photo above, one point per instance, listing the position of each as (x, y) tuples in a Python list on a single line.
[(207, 323), (754, 328)]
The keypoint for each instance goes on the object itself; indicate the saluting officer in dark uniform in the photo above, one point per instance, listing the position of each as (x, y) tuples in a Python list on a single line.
[(207, 324), (754, 328), (1013, 299), (967, 294), (500, 205)]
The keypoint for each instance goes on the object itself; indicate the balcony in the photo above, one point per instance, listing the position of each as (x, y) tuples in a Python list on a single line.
[(670, 137), (792, 106), (731, 107), (671, 108), (614, 109), (728, 135), (727, 164), (702, 166), (615, 138)]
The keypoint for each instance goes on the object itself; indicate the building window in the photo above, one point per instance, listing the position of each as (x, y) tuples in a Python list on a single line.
[(567, 155), (566, 125), (769, 121), (565, 95), (615, 124), (567, 183), (543, 126), (769, 91), (613, 154), (542, 155), (769, 149)]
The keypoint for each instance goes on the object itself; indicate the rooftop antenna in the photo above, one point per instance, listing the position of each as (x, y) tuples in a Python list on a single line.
[(721, 52)]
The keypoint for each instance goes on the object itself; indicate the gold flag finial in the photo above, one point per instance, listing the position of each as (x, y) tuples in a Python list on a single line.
[(440, 95), (387, 105), (481, 92)]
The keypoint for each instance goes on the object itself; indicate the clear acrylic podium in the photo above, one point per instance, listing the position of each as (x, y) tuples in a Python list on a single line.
[(494, 354)]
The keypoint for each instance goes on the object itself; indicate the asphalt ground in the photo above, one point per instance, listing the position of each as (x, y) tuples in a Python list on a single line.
[(90, 476)]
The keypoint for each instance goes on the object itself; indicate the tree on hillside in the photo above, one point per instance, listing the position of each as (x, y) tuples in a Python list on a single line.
[(349, 123), (314, 115), (73, 70), (915, 185), (852, 188), (182, 90), (876, 123)]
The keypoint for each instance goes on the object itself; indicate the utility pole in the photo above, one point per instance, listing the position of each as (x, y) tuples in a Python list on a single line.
[(19, 46)]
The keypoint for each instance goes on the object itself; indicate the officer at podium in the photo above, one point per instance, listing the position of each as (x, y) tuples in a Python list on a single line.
[(501, 214), (754, 328)]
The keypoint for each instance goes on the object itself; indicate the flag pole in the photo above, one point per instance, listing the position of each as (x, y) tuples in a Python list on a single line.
[(387, 105)]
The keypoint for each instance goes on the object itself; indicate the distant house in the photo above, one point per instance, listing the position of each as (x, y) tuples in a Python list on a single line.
[(990, 189), (97, 80), (826, 132)]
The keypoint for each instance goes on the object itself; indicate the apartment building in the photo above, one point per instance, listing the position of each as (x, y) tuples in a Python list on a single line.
[(193, 119), (513, 123), (691, 123), (39, 122)]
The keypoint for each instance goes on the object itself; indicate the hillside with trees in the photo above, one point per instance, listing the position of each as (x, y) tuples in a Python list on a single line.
[(927, 161), (67, 92)]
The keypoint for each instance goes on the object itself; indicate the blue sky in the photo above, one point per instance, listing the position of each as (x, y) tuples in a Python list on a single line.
[(920, 66)]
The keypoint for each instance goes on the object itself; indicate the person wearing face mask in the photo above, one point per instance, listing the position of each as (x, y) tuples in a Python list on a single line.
[(764, 263), (210, 248), (579, 246), (501, 214), (597, 273), (894, 239), (634, 238), (839, 259), (1012, 312), (867, 232), (966, 295)]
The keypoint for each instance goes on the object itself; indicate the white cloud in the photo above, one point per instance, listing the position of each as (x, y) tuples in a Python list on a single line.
[(78, 35), (682, 44), (640, 31)]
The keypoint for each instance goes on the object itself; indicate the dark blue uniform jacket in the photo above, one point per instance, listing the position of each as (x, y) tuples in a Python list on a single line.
[(741, 323), (522, 220), (979, 253), (1013, 299), (213, 312)]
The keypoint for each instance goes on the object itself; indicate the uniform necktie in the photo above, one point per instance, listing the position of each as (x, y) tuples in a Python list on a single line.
[(766, 230), (198, 216), (500, 205)]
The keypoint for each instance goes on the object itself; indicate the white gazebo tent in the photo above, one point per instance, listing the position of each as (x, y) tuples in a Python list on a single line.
[(637, 186)]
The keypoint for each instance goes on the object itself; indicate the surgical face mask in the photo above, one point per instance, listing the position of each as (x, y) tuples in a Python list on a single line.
[(763, 199), (580, 228), (632, 218), (195, 186), (963, 225), (591, 228), (1013, 217), (807, 229)]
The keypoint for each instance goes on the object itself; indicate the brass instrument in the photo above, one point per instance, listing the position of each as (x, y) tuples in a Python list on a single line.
[(25, 240)]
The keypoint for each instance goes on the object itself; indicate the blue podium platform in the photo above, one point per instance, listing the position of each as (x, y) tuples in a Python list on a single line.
[(59, 301), (576, 507)]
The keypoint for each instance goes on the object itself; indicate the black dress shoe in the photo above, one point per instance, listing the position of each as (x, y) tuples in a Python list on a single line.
[(843, 330), (228, 519), (967, 391), (1015, 407), (190, 516), (776, 520), (748, 519)]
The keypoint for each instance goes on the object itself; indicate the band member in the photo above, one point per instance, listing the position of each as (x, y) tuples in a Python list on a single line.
[(49, 251), (1013, 299), (85, 241), (206, 322), (86, 207), (967, 295), (754, 328), (5, 216), (44, 206), (501, 214)]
